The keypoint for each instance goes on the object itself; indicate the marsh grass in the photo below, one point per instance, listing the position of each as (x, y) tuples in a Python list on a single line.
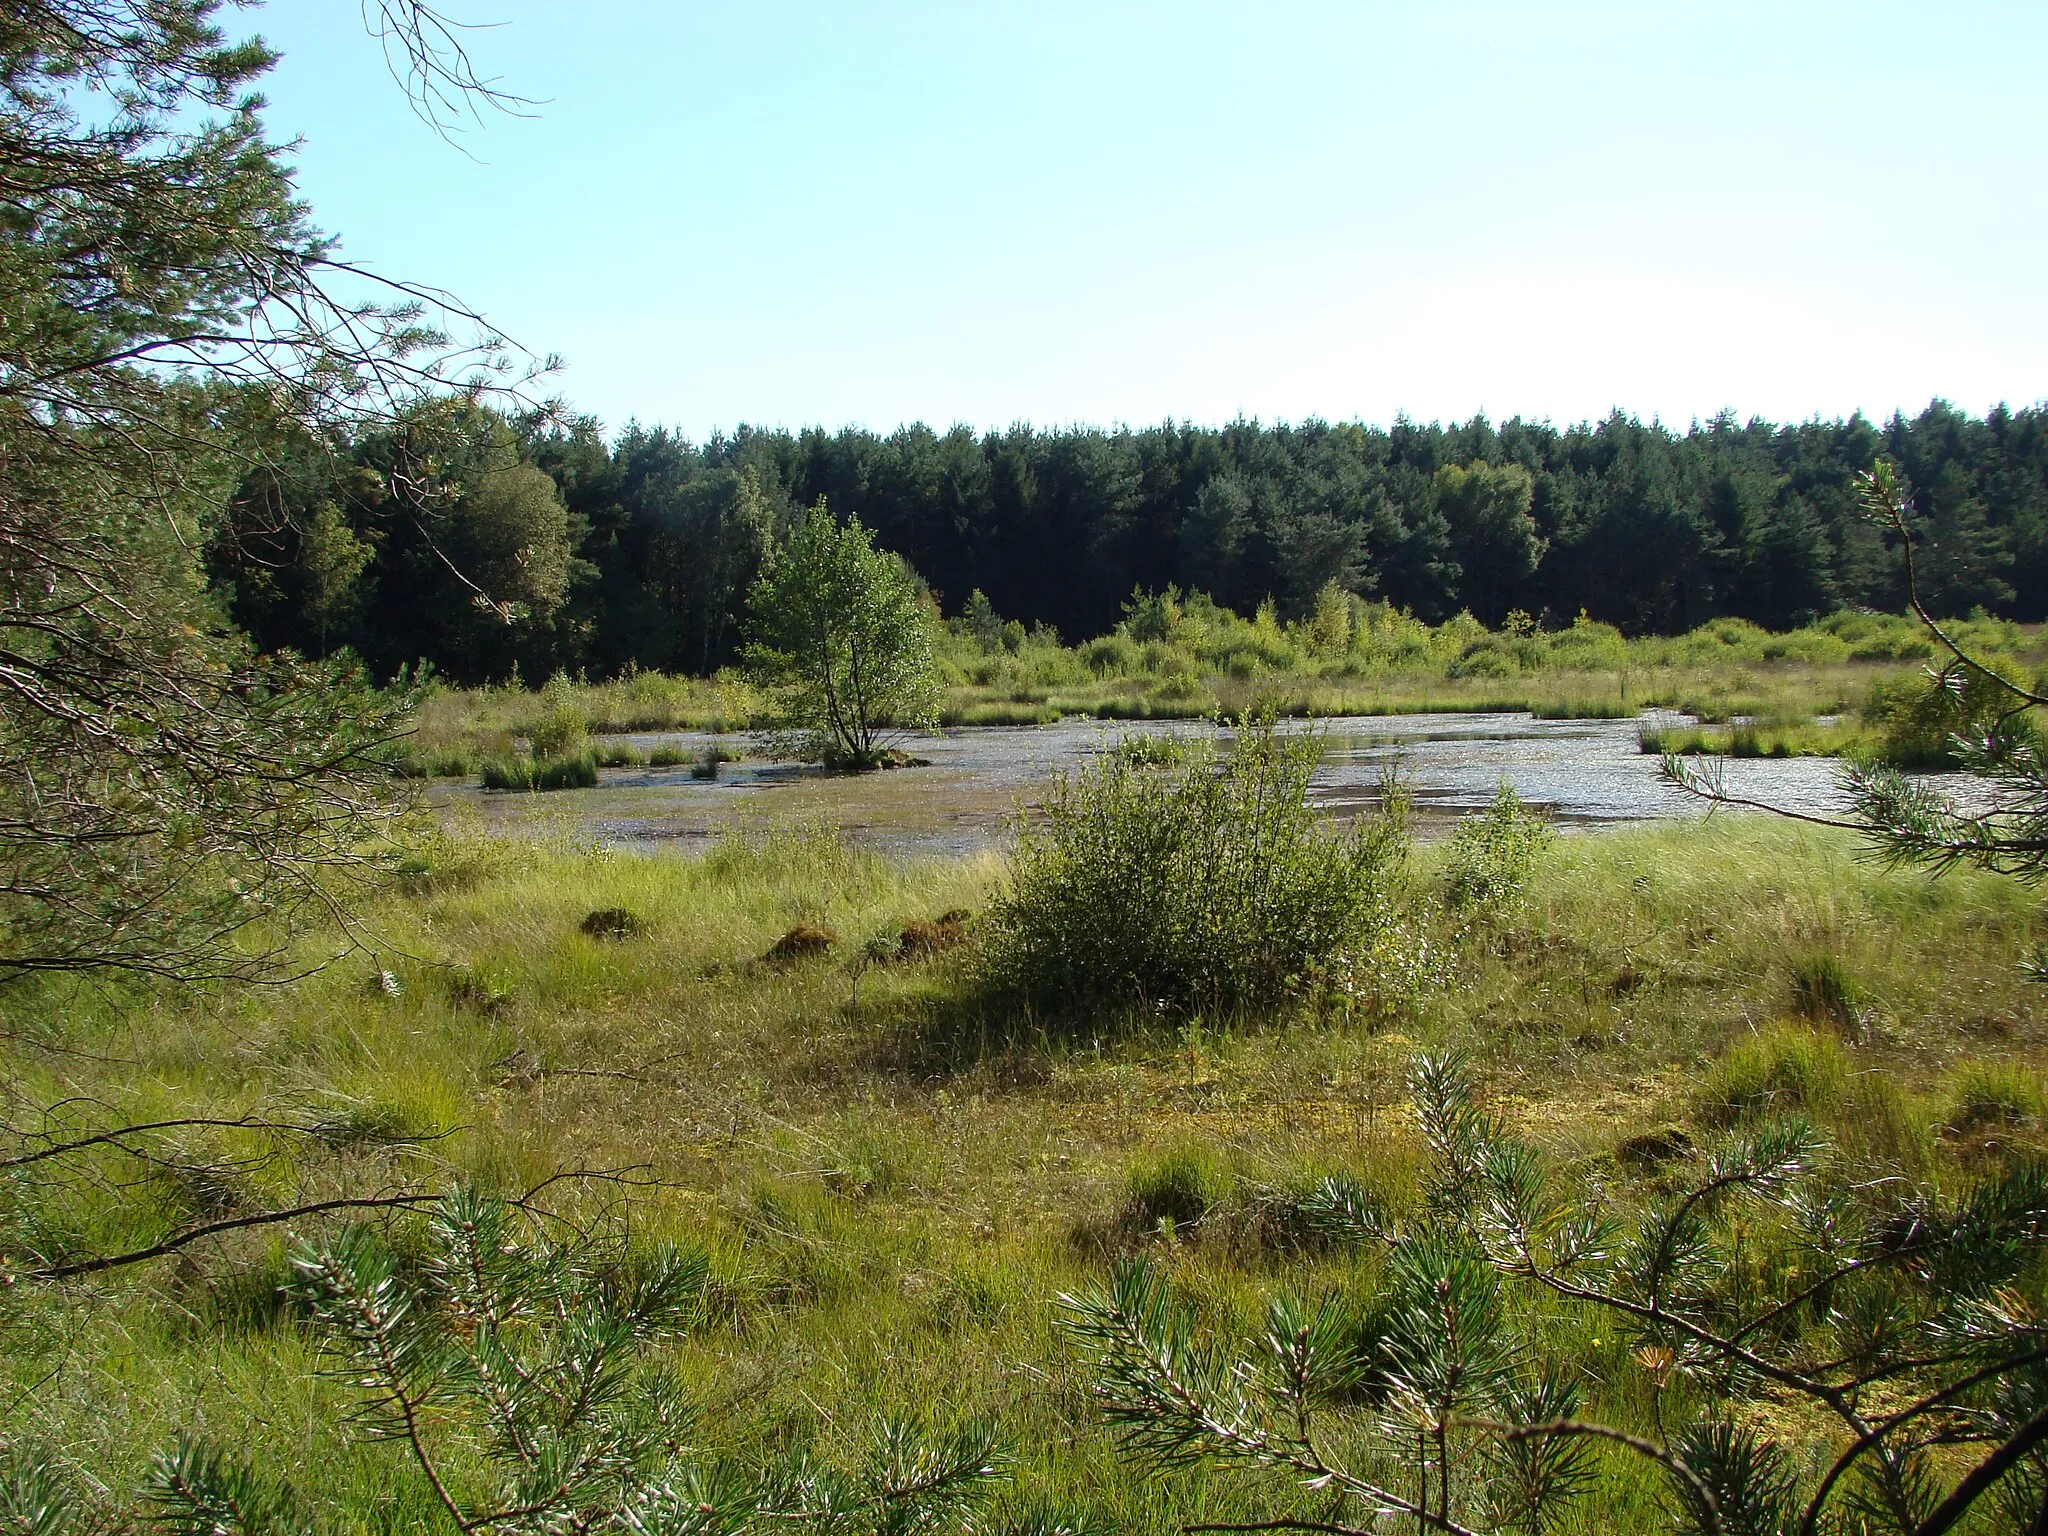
[(1780, 1071), (577, 771), (1995, 1094), (1174, 1189), (889, 1196), (1825, 992), (1759, 739), (1199, 660)]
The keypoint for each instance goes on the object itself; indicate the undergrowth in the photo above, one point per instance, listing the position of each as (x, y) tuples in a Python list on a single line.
[(890, 1175)]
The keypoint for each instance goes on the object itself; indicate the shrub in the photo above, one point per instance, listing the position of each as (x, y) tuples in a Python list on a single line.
[(1921, 717), (1484, 658), (1111, 656), (1492, 855), (1773, 1073), (1205, 884), (562, 727), (1152, 750)]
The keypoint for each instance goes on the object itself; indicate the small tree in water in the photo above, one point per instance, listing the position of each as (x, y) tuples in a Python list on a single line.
[(841, 637)]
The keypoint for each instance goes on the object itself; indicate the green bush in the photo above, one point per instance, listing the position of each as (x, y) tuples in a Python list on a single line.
[(562, 728), (1111, 656), (1153, 750), (1773, 1073), (1492, 855), (1922, 716), (1205, 884), (1484, 658)]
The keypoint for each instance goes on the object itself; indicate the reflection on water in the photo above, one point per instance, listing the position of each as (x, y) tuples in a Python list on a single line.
[(1584, 773)]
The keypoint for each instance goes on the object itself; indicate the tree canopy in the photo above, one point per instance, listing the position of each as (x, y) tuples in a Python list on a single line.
[(841, 634), (1635, 524), (170, 322)]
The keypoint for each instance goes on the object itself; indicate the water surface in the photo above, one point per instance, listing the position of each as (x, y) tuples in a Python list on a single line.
[(1583, 773)]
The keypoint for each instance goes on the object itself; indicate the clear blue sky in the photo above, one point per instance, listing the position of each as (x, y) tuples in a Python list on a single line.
[(877, 211)]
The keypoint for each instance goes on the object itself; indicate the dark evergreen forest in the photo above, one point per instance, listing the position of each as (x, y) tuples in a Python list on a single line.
[(478, 542)]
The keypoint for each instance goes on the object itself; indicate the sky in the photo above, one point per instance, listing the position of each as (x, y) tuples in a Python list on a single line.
[(870, 212)]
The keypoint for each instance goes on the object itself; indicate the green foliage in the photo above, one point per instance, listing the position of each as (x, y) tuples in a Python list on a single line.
[(1201, 885), (202, 1489), (577, 771), (1995, 1095), (1491, 856), (1973, 712), (1659, 533), (1932, 721), (1780, 1071), (172, 801), (34, 1498), (516, 537), (1497, 541), (532, 1366), (1825, 992), (1153, 750), (1175, 1189), (841, 636), (1442, 1411), (561, 729)]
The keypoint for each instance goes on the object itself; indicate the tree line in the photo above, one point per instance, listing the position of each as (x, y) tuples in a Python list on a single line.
[(479, 542)]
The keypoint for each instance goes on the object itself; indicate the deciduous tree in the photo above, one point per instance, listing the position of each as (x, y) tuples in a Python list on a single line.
[(842, 636)]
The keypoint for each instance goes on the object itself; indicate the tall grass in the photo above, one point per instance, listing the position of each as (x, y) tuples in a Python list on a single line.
[(889, 1195), (577, 771)]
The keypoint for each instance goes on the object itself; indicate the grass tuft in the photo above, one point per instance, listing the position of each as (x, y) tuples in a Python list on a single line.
[(1994, 1094), (1174, 1190), (1824, 991), (1781, 1071), (615, 923), (578, 771)]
